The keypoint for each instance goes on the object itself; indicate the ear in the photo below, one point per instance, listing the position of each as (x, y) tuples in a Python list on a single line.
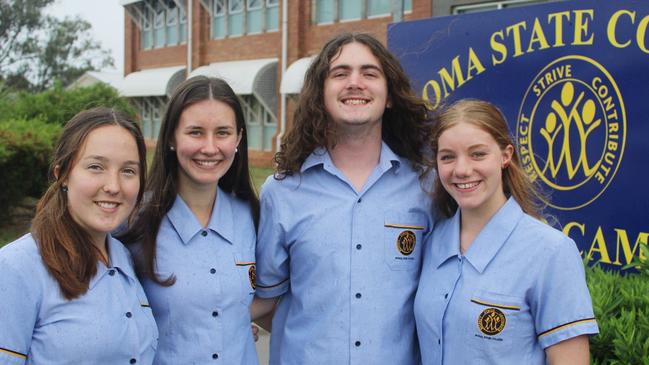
[(508, 152), (57, 170)]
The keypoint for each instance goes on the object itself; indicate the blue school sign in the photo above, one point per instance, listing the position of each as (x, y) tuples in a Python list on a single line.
[(573, 81)]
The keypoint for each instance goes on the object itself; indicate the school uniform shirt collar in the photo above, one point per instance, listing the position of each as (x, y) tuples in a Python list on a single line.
[(488, 242), (320, 156), (118, 259), (187, 226)]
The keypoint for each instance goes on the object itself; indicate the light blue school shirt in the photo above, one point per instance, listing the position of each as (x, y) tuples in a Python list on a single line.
[(111, 323), (334, 255), (518, 289), (204, 318)]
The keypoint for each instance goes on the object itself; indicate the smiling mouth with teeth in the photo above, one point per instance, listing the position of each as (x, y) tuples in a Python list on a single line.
[(467, 185), (355, 102), (107, 205), (206, 163)]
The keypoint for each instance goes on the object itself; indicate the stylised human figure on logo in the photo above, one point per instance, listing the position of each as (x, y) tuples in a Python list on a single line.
[(569, 114)]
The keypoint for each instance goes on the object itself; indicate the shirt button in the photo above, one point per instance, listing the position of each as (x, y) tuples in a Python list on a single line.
[(111, 272), (215, 356), (133, 361), (446, 296), (212, 271), (204, 233), (359, 246), (358, 295), (359, 200), (215, 314), (129, 315), (357, 343), (439, 341)]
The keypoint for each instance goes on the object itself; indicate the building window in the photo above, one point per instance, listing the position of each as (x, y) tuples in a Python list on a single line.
[(231, 18), (261, 125), (150, 110), (494, 5), (162, 23), (330, 11)]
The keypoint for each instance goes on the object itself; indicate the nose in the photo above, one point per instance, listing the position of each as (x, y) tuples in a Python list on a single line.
[(355, 81), (463, 167), (210, 146), (112, 185)]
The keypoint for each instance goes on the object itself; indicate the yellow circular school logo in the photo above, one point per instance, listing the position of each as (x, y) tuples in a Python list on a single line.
[(491, 321), (406, 242), (252, 275), (571, 131)]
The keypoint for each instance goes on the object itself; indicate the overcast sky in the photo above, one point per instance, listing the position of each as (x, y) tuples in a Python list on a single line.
[(107, 19)]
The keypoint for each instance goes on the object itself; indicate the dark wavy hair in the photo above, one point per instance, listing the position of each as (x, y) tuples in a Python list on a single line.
[(163, 181), (406, 124), (489, 118), (64, 245)]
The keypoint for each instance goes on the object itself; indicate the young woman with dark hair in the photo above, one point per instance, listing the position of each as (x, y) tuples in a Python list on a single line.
[(69, 291), (194, 240)]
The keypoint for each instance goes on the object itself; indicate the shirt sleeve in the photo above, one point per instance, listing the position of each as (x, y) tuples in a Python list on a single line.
[(562, 307), (272, 253), (18, 313)]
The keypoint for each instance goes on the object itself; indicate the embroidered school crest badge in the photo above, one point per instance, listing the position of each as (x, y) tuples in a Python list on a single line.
[(406, 242), (252, 275), (491, 321)]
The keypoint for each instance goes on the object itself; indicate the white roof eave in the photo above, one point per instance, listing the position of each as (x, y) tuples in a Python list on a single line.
[(150, 82), (240, 75), (294, 76)]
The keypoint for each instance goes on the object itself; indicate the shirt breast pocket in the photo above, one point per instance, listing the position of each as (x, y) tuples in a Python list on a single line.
[(499, 323), (403, 240), (246, 270)]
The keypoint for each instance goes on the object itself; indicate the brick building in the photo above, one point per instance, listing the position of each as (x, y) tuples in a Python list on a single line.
[(261, 47)]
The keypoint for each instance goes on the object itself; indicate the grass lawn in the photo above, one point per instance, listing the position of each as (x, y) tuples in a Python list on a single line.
[(19, 223)]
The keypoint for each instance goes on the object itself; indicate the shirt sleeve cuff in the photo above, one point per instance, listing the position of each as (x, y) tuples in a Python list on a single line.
[(567, 331)]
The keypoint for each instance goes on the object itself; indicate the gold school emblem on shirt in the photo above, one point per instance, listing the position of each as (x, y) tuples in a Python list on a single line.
[(491, 321), (252, 275), (406, 242)]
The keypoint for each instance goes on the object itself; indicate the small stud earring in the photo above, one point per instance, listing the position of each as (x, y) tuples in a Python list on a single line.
[(236, 149), (64, 188), (172, 148)]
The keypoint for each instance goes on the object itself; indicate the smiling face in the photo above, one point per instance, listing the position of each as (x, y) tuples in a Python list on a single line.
[(205, 142), (469, 164), (104, 181), (355, 90)]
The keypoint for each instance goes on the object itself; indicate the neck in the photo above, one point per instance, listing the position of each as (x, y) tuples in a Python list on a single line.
[(472, 221), (199, 199), (101, 244), (357, 157)]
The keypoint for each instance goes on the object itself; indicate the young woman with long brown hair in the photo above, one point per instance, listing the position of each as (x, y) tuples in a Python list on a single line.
[(498, 285), (194, 240), (69, 294)]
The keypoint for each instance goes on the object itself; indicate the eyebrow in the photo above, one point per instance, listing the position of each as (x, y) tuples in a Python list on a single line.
[(104, 159), (363, 67)]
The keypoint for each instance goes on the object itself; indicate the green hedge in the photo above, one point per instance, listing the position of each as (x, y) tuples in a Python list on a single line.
[(621, 305), (58, 105), (25, 150)]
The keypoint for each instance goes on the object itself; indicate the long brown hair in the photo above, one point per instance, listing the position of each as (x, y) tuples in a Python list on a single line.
[(406, 124), (163, 179), (489, 118), (64, 245)]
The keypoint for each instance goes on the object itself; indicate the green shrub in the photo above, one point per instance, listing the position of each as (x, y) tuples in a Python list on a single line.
[(58, 105), (621, 304), (25, 150)]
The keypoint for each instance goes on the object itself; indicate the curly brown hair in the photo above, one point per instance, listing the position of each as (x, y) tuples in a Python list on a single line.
[(406, 124)]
